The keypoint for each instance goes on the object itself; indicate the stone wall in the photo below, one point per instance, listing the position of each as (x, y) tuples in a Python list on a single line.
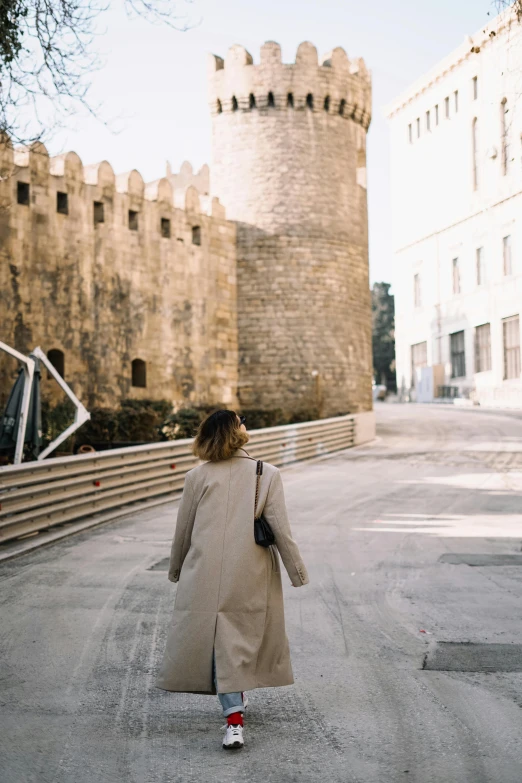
[(289, 163), (105, 294)]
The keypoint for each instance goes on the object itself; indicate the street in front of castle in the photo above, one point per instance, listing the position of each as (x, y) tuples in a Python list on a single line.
[(407, 644)]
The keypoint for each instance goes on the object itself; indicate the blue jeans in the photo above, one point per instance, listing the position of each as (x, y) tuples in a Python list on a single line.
[(231, 702)]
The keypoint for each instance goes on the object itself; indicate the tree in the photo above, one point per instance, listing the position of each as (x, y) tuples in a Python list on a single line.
[(501, 5), (383, 335), (47, 54)]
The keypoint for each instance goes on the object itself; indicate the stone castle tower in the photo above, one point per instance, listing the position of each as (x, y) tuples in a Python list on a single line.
[(289, 165)]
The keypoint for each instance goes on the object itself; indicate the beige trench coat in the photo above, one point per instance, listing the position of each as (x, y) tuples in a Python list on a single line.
[(229, 594)]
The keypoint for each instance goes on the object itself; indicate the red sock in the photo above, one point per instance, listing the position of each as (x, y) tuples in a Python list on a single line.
[(236, 719)]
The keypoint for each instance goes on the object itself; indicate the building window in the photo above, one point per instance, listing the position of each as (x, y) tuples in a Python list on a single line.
[(342, 107), (196, 235), (290, 100), (271, 101), (251, 101), (474, 83), (133, 220), (436, 114), (327, 103), (504, 135), (99, 216), (165, 228), (310, 101), (474, 142), (219, 107), (480, 270), (428, 121), (446, 108), (506, 255), (418, 127), (62, 203), (139, 373), (456, 97), (483, 348), (57, 359), (458, 355), (410, 133), (511, 334), (419, 358), (416, 290), (234, 103), (456, 276), (23, 193)]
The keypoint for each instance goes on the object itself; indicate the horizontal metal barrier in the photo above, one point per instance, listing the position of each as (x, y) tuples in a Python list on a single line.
[(39, 495)]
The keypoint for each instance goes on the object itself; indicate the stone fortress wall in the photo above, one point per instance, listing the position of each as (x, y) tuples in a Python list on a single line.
[(289, 165), (266, 305), (125, 271)]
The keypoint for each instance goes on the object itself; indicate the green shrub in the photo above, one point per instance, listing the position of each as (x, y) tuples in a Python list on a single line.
[(146, 421), (312, 414), (138, 425), (134, 421), (256, 418), (184, 423), (55, 420), (102, 427), (162, 407)]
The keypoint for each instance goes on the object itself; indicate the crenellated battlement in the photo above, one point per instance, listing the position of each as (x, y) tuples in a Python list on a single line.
[(333, 85), (114, 273), (289, 164), (186, 190)]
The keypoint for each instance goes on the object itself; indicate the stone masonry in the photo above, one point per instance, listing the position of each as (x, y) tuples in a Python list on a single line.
[(289, 164), (105, 293), (267, 306)]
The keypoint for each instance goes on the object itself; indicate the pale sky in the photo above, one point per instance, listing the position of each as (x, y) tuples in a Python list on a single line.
[(153, 89)]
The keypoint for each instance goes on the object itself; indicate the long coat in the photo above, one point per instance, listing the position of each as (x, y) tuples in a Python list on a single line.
[(229, 595)]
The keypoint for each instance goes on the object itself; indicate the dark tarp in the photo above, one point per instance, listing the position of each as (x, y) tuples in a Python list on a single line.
[(11, 417)]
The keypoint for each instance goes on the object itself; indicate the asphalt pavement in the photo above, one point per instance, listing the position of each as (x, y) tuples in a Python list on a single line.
[(406, 644)]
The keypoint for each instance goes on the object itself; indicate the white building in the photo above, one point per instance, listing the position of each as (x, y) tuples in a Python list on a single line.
[(456, 152)]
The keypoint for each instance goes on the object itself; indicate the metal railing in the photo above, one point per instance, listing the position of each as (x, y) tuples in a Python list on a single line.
[(39, 495)]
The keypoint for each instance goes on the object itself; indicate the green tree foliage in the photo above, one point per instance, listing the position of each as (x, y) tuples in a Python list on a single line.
[(55, 420), (146, 421), (383, 335), (135, 421), (12, 15), (182, 424)]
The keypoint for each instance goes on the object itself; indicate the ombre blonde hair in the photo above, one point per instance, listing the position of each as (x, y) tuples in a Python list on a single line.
[(219, 436)]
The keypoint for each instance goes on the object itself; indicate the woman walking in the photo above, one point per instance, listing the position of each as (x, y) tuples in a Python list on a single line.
[(228, 629)]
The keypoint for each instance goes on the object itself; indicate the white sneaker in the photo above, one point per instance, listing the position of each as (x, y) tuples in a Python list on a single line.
[(233, 737)]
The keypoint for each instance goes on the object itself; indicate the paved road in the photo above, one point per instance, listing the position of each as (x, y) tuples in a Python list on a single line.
[(83, 624)]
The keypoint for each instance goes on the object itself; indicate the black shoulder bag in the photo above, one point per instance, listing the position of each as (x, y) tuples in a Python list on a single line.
[(263, 534)]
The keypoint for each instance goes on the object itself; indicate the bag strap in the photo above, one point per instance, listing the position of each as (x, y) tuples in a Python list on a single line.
[(259, 471)]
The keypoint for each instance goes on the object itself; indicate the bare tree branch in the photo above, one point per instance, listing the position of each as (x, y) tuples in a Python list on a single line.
[(501, 5), (48, 55)]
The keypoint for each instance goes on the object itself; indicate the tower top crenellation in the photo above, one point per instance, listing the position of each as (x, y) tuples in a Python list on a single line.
[(333, 83)]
